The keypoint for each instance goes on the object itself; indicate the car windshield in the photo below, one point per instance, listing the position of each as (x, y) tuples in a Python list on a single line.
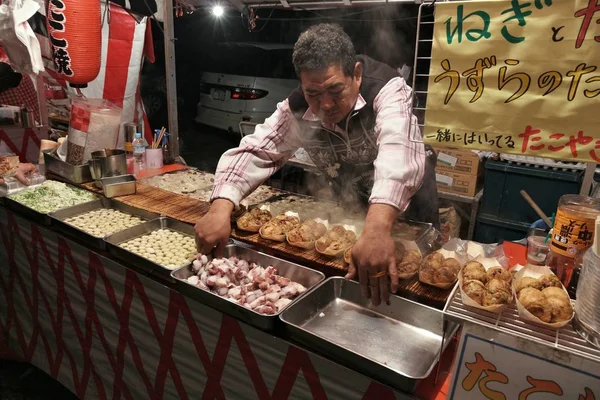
[(235, 59)]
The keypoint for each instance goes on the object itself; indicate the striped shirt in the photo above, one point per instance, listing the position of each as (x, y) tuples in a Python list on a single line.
[(399, 164)]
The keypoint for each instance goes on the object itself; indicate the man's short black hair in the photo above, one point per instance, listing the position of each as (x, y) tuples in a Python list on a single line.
[(322, 45)]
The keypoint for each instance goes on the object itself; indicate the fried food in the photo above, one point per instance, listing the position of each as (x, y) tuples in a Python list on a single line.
[(497, 285), (452, 264), (498, 298), (252, 221), (305, 235), (437, 271), (475, 290), (549, 280), (407, 269), (277, 227), (474, 270), (527, 282), (413, 256), (499, 273), (536, 303), (336, 241), (562, 309)]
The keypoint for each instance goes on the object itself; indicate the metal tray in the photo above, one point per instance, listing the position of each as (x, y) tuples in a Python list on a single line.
[(297, 273), (12, 185), (397, 344), (73, 173), (30, 213), (59, 217), (116, 186), (141, 263)]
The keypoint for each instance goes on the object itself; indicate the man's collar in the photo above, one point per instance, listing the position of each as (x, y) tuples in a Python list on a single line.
[(309, 116)]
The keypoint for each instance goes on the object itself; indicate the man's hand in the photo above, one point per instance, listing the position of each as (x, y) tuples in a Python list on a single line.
[(214, 228), (23, 171), (374, 255)]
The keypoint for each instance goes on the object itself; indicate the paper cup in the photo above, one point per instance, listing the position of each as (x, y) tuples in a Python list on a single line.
[(487, 264), (154, 158), (535, 271)]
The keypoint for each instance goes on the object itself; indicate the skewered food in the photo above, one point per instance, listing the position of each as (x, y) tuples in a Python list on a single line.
[(165, 247), (335, 242), (51, 196), (253, 220), (536, 303), (103, 222), (305, 235), (248, 284), (277, 227)]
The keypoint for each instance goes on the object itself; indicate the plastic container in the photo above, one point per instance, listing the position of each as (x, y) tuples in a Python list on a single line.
[(537, 250), (139, 151), (572, 235), (503, 183)]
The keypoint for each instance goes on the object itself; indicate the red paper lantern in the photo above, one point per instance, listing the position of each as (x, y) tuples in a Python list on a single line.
[(75, 30)]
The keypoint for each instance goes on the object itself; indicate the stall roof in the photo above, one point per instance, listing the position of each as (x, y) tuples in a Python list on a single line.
[(290, 4)]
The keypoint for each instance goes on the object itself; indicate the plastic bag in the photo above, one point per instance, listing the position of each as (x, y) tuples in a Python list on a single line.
[(467, 250), (94, 126), (18, 39)]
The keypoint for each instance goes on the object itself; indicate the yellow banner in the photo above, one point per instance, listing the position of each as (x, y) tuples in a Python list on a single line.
[(518, 76)]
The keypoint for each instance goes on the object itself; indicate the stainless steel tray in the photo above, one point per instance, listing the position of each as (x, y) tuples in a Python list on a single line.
[(141, 263), (397, 344), (30, 213), (297, 273), (59, 217), (12, 185), (73, 173)]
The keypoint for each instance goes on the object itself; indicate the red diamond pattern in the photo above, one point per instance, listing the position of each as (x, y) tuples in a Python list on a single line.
[(88, 377)]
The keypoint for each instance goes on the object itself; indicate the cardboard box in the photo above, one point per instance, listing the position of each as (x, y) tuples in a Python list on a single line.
[(457, 161), (463, 184)]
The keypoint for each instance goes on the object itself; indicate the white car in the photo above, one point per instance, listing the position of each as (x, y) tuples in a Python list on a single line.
[(243, 82)]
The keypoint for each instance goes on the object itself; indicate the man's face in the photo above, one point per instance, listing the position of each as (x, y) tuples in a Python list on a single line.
[(331, 94)]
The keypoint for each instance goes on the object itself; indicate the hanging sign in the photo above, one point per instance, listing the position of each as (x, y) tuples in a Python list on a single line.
[(519, 76), (489, 370)]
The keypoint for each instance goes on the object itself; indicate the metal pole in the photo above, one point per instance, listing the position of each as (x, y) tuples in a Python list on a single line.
[(586, 185), (169, 38)]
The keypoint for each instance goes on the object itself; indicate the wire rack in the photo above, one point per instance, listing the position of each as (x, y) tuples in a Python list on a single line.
[(509, 322)]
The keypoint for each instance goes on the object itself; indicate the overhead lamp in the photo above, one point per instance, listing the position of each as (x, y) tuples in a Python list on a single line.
[(218, 11)]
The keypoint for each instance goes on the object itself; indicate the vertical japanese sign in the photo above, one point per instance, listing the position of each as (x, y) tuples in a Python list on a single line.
[(490, 370), (518, 76)]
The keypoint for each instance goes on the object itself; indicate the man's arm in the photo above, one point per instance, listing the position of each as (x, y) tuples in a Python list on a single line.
[(400, 163), (260, 155)]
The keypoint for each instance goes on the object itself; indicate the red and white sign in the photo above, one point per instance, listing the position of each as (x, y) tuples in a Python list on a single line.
[(507, 368)]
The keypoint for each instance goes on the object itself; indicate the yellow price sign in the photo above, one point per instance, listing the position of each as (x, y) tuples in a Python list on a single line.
[(518, 76)]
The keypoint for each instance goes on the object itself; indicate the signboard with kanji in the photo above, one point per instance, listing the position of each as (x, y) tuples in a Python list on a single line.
[(516, 76), (507, 368)]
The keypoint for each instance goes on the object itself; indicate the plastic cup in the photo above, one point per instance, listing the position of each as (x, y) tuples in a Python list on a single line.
[(154, 158), (537, 250)]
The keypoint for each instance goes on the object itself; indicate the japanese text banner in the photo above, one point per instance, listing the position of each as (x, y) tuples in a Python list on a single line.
[(518, 76)]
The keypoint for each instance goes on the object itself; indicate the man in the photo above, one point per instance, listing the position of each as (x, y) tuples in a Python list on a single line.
[(353, 115)]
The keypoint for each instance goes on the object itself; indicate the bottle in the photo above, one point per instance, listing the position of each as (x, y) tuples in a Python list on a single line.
[(166, 149), (139, 150), (573, 234)]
